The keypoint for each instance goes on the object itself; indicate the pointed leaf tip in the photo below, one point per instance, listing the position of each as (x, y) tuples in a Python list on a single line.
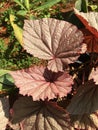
[(17, 30)]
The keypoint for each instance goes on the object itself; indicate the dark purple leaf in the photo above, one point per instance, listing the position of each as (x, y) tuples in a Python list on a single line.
[(85, 101), (40, 83), (54, 40), (39, 115), (83, 108)]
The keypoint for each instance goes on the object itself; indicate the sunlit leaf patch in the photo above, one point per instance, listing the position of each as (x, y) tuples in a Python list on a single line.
[(57, 41)]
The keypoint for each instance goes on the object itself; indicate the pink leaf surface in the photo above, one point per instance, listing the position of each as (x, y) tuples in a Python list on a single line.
[(40, 83), (94, 75), (90, 20), (39, 115), (54, 40), (4, 112)]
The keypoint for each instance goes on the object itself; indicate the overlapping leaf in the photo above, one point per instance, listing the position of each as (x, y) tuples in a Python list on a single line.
[(94, 75), (4, 112), (40, 83), (84, 122), (90, 20), (85, 101), (84, 106), (39, 115), (91, 41), (54, 40)]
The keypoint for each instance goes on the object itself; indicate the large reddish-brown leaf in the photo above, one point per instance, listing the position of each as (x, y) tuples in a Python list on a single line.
[(40, 83), (90, 20), (57, 41), (91, 41), (39, 115), (94, 75), (85, 101), (4, 112)]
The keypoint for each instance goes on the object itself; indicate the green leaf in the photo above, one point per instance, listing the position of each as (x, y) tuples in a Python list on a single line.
[(22, 12), (47, 4), (81, 5), (27, 4), (6, 82), (17, 30), (2, 72), (20, 4), (93, 7), (78, 5)]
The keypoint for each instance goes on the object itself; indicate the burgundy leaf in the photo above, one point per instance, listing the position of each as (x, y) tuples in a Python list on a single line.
[(4, 112), (94, 75), (90, 20), (40, 83), (39, 115), (85, 101), (54, 40), (91, 41)]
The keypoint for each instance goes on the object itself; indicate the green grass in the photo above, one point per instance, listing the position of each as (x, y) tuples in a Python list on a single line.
[(13, 56)]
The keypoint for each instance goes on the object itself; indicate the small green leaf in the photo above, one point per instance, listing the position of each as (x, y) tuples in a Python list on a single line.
[(81, 5), (22, 12), (17, 30), (6, 81), (27, 4), (78, 5), (93, 7), (47, 4)]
